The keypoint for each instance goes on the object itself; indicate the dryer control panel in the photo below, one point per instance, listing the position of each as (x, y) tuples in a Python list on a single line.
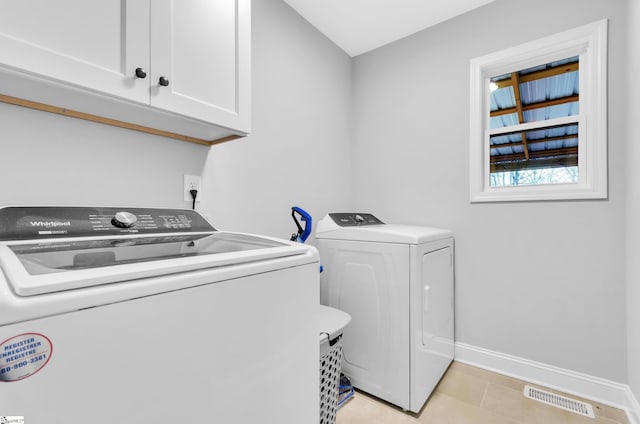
[(354, 219)]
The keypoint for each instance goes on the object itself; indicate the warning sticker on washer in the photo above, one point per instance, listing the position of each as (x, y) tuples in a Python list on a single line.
[(11, 420), (23, 355)]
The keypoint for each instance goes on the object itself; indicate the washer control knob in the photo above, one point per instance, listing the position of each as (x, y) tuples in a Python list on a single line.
[(124, 219)]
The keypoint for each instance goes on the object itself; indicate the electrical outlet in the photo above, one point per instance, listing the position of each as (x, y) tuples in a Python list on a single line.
[(192, 182)]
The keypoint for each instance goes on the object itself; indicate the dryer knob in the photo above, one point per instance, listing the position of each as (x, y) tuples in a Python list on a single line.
[(124, 219)]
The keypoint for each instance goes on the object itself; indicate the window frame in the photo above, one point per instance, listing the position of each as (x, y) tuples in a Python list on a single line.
[(589, 42)]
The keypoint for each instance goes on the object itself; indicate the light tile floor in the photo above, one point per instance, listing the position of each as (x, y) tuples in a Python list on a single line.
[(470, 395)]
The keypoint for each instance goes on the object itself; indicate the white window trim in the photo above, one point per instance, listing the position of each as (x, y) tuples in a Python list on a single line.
[(590, 43)]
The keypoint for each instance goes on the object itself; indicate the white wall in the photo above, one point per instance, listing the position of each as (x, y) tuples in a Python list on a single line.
[(298, 152), (54, 160), (633, 207), (542, 281)]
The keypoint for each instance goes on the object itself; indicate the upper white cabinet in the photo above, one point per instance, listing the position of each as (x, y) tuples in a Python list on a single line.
[(92, 44), (181, 66), (201, 49)]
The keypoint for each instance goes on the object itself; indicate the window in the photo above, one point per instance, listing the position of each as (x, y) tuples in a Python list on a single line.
[(538, 119)]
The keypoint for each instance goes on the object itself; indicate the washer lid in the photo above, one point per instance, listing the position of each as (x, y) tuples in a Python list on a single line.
[(383, 233), (47, 266)]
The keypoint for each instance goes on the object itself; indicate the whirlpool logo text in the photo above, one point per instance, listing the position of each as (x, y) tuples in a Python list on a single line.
[(49, 224)]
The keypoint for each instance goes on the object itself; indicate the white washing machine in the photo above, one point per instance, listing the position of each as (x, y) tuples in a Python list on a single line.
[(396, 282), (142, 316)]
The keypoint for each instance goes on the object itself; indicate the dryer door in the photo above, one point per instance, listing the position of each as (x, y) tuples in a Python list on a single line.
[(432, 344), (436, 301)]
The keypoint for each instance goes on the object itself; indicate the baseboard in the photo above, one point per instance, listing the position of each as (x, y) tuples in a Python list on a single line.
[(583, 385), (633, 407)]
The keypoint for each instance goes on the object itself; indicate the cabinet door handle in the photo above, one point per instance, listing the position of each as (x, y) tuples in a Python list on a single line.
[(141, 73), (163, 81)]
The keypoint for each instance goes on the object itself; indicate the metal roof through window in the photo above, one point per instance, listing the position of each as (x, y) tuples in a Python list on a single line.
[(535, 94)]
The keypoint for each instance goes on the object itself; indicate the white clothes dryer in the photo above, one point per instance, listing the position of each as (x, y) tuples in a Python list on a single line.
[(396, 282)]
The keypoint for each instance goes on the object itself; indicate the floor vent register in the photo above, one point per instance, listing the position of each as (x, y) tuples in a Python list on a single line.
[(559, 401)]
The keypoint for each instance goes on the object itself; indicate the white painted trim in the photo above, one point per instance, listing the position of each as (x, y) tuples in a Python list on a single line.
[(586, 386), (573, 119), (633, 407)]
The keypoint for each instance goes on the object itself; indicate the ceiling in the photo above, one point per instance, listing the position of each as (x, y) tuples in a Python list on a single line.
[(358, 26)]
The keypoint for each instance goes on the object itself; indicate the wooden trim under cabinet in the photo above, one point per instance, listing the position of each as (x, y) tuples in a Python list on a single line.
[(113, 122)]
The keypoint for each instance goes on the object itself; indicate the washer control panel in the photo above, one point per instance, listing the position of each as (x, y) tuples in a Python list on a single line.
[(354, 219), (29, 222)]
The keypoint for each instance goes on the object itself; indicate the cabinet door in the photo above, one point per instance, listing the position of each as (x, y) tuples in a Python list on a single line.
[(96, 44), (202, 49)]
